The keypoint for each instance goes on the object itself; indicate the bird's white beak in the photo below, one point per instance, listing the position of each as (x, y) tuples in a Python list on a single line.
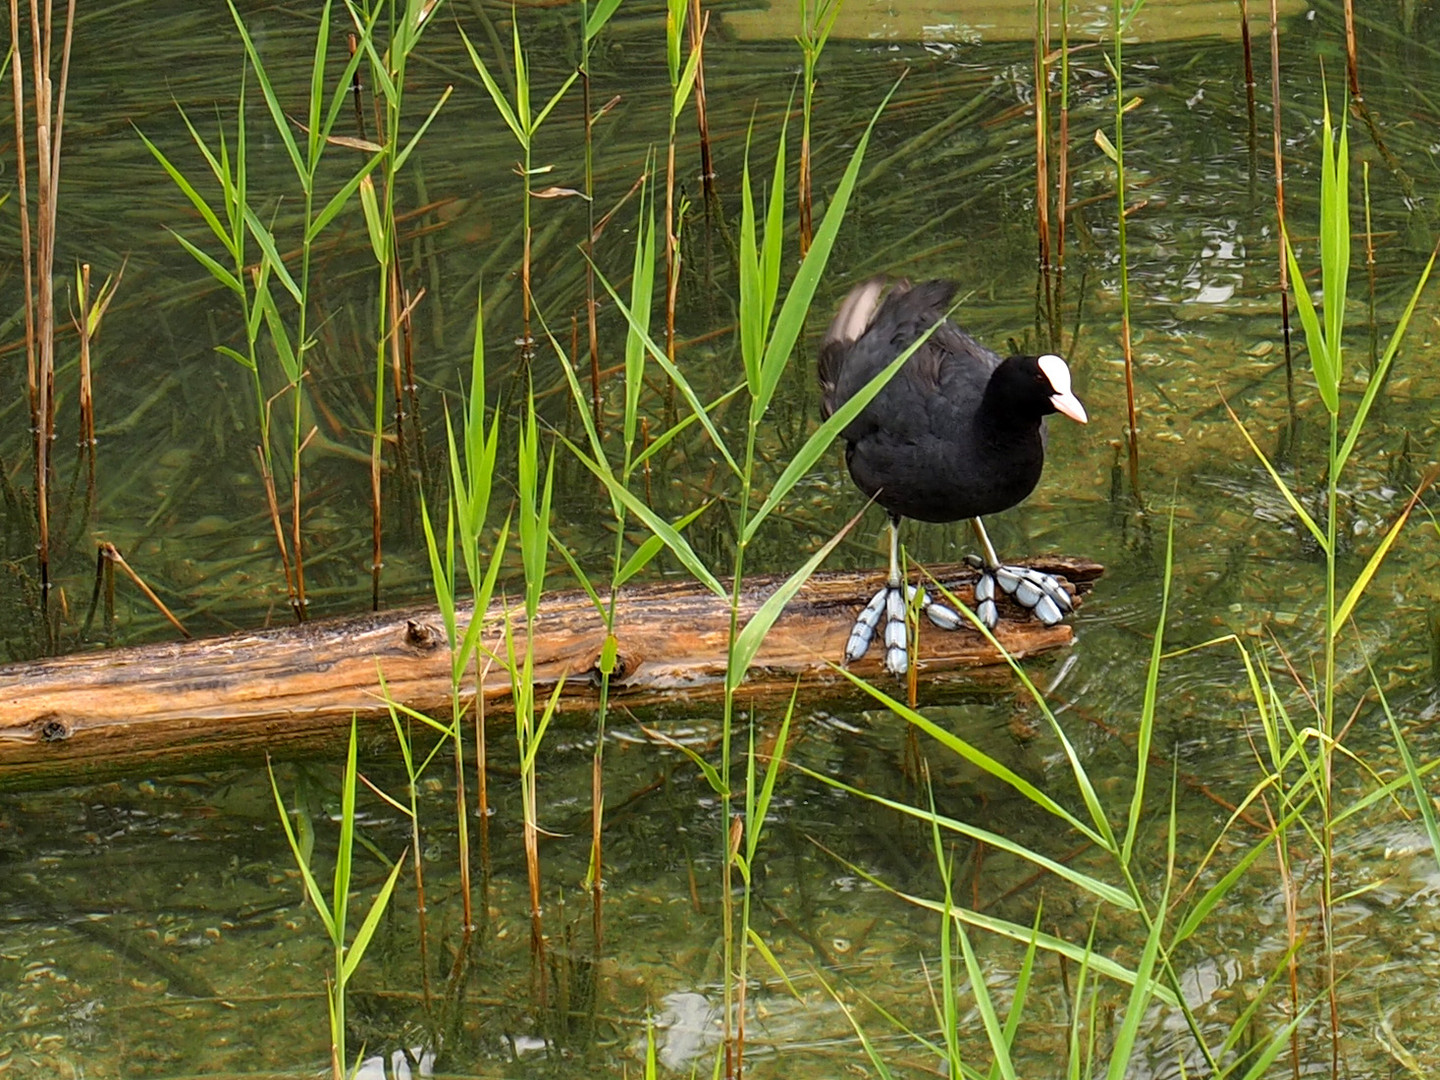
[(1064, 400)]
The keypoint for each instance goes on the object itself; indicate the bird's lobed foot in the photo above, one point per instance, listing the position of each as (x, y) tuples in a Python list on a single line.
[(1042, 594), (889, 604)]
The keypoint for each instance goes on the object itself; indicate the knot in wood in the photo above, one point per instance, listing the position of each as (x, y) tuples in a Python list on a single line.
[(422, 636), (625, 665), (51, 727)]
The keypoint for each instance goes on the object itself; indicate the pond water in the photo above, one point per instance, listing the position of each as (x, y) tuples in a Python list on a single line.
[(156, 926)]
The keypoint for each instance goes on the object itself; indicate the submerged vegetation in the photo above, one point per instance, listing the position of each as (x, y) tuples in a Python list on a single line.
[(1166, 853)]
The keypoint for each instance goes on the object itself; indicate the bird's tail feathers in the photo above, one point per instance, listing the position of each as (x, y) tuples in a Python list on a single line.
[(856, 312)]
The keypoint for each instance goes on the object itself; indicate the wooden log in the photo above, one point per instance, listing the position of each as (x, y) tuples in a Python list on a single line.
[(193, 704)]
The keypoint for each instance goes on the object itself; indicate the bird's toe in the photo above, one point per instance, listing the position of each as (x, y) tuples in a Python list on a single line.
[(863, 632), (943, 616), (1042, 594), (897, 646)]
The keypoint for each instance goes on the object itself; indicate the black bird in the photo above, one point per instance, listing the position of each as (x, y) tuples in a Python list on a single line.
[(956, 433)]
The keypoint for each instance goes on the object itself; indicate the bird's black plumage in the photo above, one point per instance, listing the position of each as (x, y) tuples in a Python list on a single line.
[(957, 432)]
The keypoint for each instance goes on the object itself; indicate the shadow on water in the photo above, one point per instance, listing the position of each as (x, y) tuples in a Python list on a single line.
[(156, 927)]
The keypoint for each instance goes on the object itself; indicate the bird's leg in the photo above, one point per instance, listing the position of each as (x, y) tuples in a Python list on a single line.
[(1041, 593), (891, 602)]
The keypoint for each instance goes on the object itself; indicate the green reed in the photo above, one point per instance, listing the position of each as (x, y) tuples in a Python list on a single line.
[(524, 125), (592, 22), (623, 567), (1295, 788), (1115, 151), (682, 82), (472, 467), (1162, 926), (767, 338), (817, 19), (414, 770), (532, 717), (1324, 338), (1050, 202), (251, 278), (407, 21), (472, 461), (334, 911)]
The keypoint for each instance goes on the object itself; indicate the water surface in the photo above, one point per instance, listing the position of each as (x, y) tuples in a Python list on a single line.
[(156, 926)]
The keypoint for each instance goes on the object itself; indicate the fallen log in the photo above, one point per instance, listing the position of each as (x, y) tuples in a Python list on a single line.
[(193, 704)]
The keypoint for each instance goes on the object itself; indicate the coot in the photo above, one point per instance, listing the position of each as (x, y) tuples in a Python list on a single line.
[(956, 433)]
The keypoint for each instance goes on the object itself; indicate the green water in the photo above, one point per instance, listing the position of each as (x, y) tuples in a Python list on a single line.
[(156, 926)]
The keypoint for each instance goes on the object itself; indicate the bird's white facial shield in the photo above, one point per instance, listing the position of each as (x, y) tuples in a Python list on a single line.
[(1058, 372)]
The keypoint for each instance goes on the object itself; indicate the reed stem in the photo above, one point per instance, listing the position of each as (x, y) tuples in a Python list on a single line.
[(1062, 189), (87, 398), (1277, 153), (38, 253), (699, 24), (1248, 51), (1046, 314), (1132, 422)]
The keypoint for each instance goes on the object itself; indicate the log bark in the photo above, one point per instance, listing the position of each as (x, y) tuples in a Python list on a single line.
[(193, 704)]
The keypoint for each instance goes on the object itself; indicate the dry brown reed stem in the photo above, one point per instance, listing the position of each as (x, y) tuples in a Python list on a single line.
[(376, 544), (422, 920), (1042, 158), (402, 367), (112, 553), (377, 556), (532, 868), (397, 371), (273, 501), (356, 92), (298, 551), (462, 808), (482, 787), (597, 884), (1370, 267), (698, 26), (1249, 76), (1278, 153), (672, 240), (412, 386), (17, 84), (38, 260), (735, 1062), (672, 253), (594, 336), (87, 399), (1062, 183), (1352, 64), (802, 195), (1055, 147), (575, 351), (57, 134)]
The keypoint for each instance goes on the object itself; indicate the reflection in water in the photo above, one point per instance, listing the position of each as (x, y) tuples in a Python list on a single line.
[(374, 1068), (689, 1028)]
